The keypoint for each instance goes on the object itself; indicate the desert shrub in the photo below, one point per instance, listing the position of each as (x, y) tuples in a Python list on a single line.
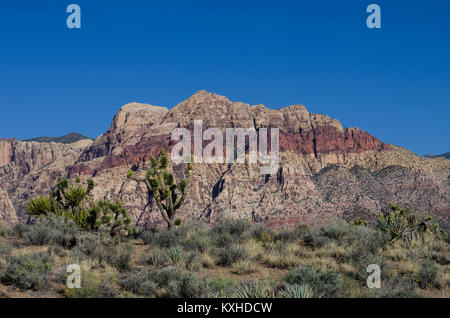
[(365, 239), (93, 286), (164, 276), (315, 240), (187, 285), (52, 229), (28, 271), (263, 234), (4, 250), (255, 289), (103, 250), (179, 283), (20, 229), (395, 287), (122, 258), (139, 284), (445, 235), (200, 243), (230, 255), (222, 286), (88, 244), (361, 261), (162, 238), (336, 231), (3, 230), (427, 275), (243, 267), (296, 291), (326, 283), (229, 232)]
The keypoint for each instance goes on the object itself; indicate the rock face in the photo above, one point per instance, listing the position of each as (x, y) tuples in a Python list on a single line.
[(30, 168), (325, 171)]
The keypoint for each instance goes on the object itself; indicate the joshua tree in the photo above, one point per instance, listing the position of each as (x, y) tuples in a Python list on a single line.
[(161, 184)]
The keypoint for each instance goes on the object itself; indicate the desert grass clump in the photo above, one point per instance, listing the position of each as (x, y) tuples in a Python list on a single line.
[(28, 271), (156, 258), (208, 260), (194, 261), (243, 267)]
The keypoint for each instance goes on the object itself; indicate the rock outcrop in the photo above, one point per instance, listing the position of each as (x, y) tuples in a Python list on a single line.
[(326, 171)]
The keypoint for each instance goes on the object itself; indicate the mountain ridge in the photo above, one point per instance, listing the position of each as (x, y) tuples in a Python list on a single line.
[(69, 138), (300, 191)]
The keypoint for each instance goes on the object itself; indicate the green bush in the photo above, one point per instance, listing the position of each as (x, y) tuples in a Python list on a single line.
[(427, 275), (229, 232), (326, 283), (396, 287), (139, 284), (29, 271), (200, 242), (222, 286), (263, 234), (93, 286), (51, 229), (4, 250), (179, 283), (230, 255), (3, 230)]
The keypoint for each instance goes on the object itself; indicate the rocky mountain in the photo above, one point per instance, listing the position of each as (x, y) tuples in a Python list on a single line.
[(70, 138), (325, 171)]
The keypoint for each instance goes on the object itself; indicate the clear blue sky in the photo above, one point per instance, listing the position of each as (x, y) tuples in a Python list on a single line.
[(393, 82)]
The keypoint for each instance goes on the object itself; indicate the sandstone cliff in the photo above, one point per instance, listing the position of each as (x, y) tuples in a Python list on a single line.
[(326, 171)]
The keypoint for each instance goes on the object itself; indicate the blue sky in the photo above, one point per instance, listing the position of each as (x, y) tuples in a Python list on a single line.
[(393, 82)]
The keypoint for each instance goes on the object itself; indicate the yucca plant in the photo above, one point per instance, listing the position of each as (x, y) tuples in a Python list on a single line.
[(401, 224), (255, 289), (175, 254), (296, 291)]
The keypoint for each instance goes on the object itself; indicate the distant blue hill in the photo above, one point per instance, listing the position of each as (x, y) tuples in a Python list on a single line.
[(66, 139), (445, 155)]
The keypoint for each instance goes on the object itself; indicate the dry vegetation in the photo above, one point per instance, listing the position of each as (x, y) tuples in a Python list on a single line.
[(230, 259)]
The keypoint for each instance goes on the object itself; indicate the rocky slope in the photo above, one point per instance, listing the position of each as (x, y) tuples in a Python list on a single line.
[(326, 171)]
